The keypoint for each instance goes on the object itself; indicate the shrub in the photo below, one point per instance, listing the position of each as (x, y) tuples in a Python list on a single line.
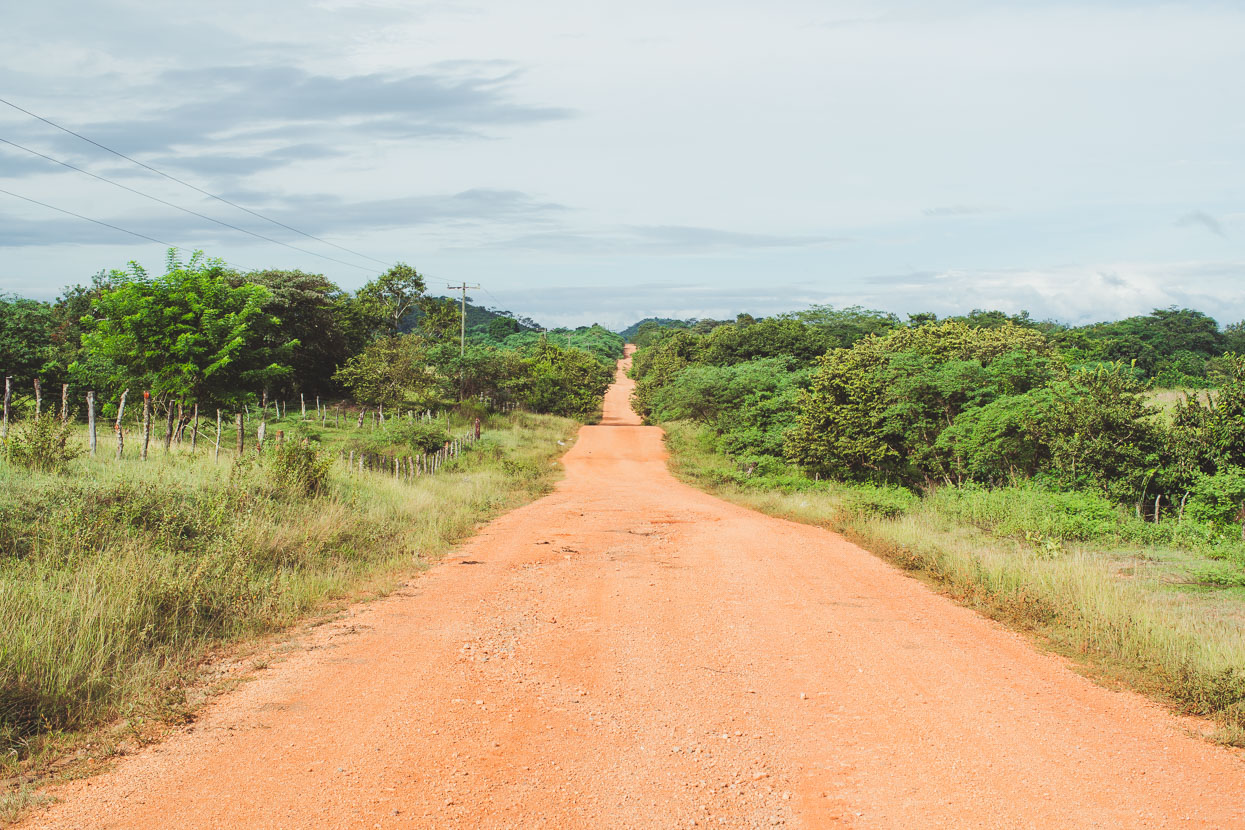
[(300, 467), (43, 443), (419, 436), (1218, 499), (877, 500), (1030, 512)]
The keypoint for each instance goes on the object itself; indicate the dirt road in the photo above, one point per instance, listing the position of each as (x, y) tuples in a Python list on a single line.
[(629, 652)]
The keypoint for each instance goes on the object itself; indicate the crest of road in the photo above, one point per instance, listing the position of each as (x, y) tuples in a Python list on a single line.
[(629, 652)]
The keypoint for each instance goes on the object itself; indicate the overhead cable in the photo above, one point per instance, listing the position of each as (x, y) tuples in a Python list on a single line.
[(183, 209), (96, 221), (188, 184)]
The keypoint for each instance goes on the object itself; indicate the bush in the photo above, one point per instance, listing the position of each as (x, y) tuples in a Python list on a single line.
[(418, 436), (300, 467), (43, 443), (882, 501), (1218, 499), (1030, 512)]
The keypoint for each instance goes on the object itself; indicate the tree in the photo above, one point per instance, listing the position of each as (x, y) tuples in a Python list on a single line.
[(190, 333), (26, 328), (307, 310), (440, 319), (877, 410), (391, 371), (1101, 434), (392, 296), (563, 382)]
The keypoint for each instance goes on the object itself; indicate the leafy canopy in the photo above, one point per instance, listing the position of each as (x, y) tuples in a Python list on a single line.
[(189, 333)]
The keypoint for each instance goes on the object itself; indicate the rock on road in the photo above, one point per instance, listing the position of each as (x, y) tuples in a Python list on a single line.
[(629, 652)]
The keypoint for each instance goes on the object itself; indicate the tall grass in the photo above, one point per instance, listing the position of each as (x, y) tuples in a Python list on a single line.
[(1046, 563), (118, 577)]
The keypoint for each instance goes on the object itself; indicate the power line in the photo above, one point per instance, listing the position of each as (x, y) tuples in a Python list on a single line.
[(188, 184), (183, 209), (105, 224)]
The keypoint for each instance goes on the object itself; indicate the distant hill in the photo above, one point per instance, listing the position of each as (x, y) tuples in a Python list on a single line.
[(478, 319), (630, 331)]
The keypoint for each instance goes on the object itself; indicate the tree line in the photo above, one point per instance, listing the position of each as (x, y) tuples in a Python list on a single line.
[(203, 332), (985, 399)]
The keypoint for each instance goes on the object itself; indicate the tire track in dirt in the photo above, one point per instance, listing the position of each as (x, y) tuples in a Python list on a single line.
[(631, 653)]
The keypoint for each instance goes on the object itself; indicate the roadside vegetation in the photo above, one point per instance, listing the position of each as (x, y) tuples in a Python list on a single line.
[(1023, 467), (349, 459)]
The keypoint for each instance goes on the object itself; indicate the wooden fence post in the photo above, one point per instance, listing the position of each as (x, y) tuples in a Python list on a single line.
[(146, 424), (216, 452), (194, 433), (362, 412), (90, 420), (302, 402), (168, 428), (64, 403), (241, 435), (120, 428), (260, 434), (38, 398), (8, 396)]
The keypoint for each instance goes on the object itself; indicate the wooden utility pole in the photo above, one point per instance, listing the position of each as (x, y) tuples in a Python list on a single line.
[(462, 337)]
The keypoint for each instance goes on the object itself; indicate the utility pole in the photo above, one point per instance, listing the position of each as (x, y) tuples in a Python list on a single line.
[(462, 337)]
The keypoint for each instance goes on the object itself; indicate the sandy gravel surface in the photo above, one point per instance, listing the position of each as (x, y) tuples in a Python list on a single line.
[(630, 652)]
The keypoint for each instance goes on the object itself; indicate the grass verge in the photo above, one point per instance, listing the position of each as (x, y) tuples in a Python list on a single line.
[(119, 579), (1125, 608)]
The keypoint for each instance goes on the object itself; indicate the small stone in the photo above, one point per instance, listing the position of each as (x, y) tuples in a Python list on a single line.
[(803, 696)]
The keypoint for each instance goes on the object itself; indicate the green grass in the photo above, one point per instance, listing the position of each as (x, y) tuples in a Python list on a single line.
[(117, 579), (1160, 609)]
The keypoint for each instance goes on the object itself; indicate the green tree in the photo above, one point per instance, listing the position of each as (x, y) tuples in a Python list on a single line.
[(304, 311), (189, 333), (560, 381), (26, 338), (439, 319), (878, 409), (391, 371), (1102, 435), (392, 296)]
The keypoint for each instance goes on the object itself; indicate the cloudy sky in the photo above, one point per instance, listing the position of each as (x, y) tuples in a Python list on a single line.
[(608, 161)]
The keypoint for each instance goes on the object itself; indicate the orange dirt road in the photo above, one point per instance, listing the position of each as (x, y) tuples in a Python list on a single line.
[(630, 652)]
